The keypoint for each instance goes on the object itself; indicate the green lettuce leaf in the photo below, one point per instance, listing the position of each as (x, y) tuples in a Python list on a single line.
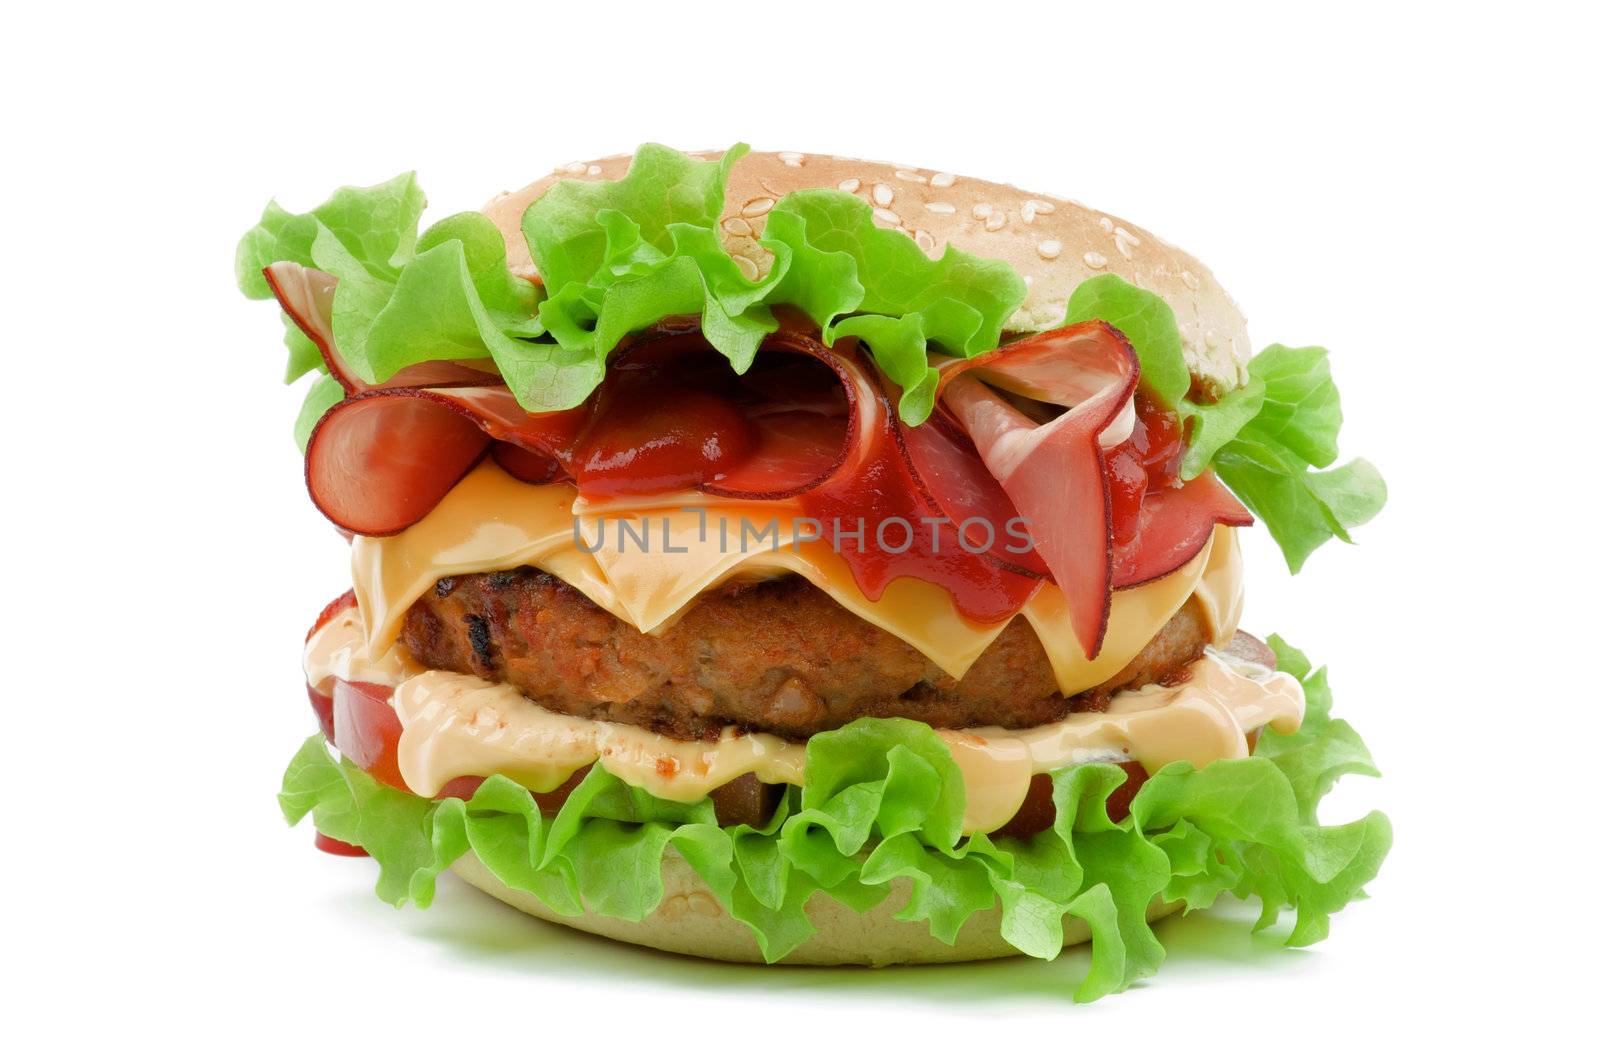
[(304, 356), (325, 393), (1149, 325), (1266, 438), (1302, 508), (1325, 748), (856, 279), (401, 298), (618, 256), (1213, 425), (883, 802), (363, 235), (615, 257)]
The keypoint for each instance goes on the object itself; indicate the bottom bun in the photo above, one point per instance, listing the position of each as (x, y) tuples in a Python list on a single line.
[(691, 921)]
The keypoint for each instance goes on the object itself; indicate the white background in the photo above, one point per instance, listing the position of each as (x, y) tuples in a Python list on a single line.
[(1413, 189)]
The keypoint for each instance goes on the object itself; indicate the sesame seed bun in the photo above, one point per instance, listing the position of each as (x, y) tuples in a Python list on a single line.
[(1055, 244), (691, 921)]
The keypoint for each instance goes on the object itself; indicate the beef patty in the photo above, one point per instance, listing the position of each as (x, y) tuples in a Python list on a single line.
[(775, 656)]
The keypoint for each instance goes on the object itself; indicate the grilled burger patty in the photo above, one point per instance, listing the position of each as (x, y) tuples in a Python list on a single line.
[(775, 656)]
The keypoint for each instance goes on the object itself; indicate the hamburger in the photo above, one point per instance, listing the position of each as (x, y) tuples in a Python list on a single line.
[(781, 557)]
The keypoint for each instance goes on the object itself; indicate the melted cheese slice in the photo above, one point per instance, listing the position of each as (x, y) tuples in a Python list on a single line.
[(457, 725), (648, 566)]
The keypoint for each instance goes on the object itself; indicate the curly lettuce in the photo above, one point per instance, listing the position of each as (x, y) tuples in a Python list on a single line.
[(615, 257), (1271, 440), (883, 801)]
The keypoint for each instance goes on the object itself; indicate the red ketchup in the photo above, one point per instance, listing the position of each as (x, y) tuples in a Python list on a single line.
[(1146, 463), (655, 437)]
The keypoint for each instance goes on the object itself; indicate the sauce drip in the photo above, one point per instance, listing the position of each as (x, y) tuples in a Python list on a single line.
[(1147, 462), (879, 520)]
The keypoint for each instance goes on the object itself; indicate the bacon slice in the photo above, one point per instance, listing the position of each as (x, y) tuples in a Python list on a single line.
[(1052, 471)]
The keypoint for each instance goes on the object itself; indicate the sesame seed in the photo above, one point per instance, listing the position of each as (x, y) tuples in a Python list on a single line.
[(1105, 222), (574, 168), (982, 210), (882, 194), (1126, 241), (942, 180), (924, 240), (1050, 249), (791, 158), (888, 217), (1094, 259), (940, 207), (1027, 212), (594, 170), (737, 226), (1189, 280), (746, 266), (995, 221), (757, 207), (850, 184), (1042, 206), (906, 174)]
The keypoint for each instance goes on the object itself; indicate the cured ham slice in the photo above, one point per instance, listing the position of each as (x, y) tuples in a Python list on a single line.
[(1053, 472), (379, 461)]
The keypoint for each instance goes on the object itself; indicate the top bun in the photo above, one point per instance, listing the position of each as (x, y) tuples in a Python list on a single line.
[(1054, 244)]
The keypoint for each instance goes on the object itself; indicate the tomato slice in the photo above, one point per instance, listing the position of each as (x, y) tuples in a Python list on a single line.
[(366, 729), (329, 845), (322, 706), (462, 788)]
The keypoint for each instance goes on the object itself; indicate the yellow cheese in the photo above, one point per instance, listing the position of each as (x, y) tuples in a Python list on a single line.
[(648, 566), (489, 521)]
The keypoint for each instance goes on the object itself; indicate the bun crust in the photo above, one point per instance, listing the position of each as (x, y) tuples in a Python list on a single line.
[(1055, 244), (691, 921)]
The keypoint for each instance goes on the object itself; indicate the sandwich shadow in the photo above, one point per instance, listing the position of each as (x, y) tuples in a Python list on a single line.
[(475, 927)]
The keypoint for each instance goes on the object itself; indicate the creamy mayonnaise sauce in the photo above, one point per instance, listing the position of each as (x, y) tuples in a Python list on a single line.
[(457, 725), (340, 648)]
